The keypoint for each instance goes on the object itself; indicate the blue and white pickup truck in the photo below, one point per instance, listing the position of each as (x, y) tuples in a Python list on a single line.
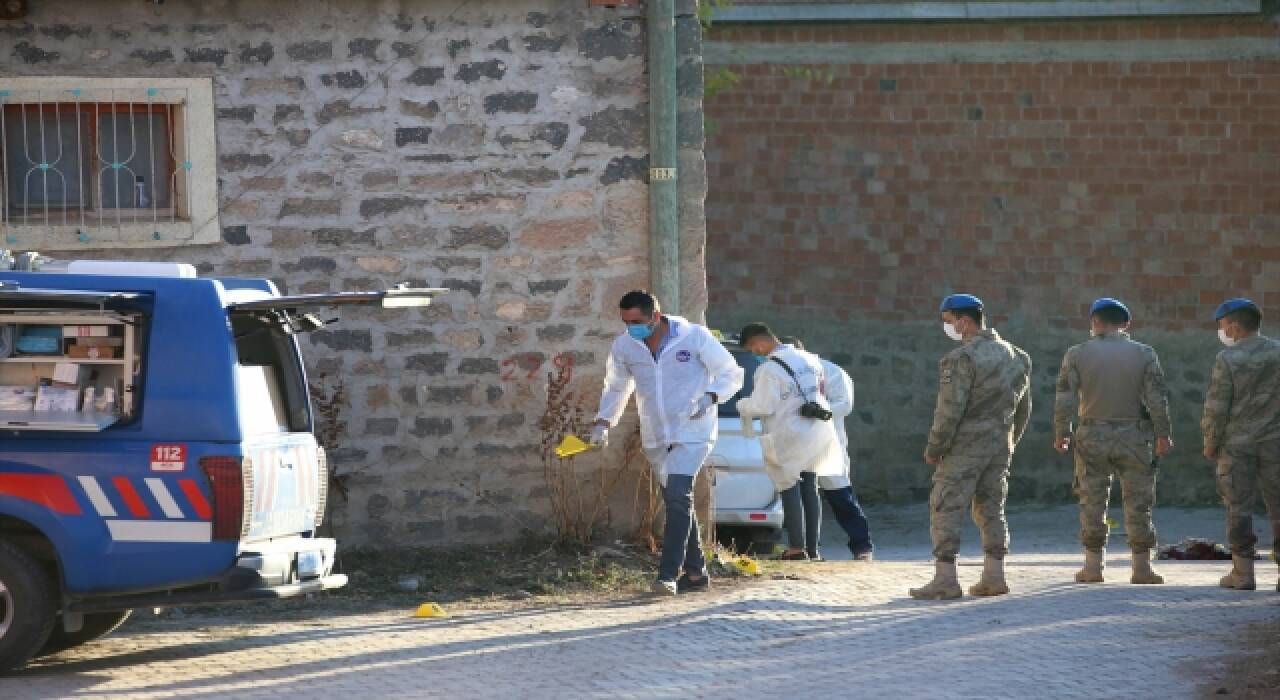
[(156, 447)]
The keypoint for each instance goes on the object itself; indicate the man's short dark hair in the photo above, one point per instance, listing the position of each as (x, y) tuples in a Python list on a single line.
[(754, 330), (973, 313), (792, 341), (1112, 315), (639, 299), (1249, 319)]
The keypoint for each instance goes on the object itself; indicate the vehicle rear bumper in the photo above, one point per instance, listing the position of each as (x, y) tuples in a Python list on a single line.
[(163, 599), (267, 570), (769, 516)]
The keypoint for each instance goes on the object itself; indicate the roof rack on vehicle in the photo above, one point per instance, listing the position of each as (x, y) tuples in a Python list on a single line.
[(35, 262)]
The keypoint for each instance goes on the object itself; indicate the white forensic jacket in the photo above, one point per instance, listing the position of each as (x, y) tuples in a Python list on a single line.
[(792, 443), (693, 364), (839, 391)]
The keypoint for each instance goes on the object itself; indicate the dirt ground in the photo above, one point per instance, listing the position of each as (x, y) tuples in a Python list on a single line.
[(1253, 671)]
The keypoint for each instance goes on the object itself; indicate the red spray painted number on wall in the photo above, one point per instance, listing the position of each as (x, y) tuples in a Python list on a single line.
[(527, 367)]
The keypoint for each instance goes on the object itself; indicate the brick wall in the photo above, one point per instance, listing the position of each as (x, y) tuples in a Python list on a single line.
[(861, 172), (496, 148)]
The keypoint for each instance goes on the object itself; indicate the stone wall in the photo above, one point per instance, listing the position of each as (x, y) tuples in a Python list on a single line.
[(860, 172), (495, 148)]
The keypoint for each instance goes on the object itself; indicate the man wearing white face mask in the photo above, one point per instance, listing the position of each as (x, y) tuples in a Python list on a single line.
[(1241, 428), (984, 403), (679, 372), (1115, 387)]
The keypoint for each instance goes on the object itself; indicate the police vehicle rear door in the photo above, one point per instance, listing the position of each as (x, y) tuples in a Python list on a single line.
[(284, 474)]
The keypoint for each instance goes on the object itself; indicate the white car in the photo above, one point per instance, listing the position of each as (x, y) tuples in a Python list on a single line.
[(748, 511)]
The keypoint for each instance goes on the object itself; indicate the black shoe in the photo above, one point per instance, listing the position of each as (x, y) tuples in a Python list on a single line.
[(687, 585), (793, 556)]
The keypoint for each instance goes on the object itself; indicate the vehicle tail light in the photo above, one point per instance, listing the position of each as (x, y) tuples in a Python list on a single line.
[(322, 484), (231, 481), (758, 516)]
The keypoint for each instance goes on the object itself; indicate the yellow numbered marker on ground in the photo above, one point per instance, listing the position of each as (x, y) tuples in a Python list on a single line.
[(430, 610), (572, 445)]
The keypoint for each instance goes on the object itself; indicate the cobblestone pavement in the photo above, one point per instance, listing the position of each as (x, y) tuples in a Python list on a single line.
[(843, 630)]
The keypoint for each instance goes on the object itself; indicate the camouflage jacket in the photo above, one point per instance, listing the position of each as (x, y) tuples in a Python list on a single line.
[(1242, 406), (1111, 377), (984, 398)]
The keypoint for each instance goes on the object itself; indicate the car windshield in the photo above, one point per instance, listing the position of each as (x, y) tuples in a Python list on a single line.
[(748, 363)]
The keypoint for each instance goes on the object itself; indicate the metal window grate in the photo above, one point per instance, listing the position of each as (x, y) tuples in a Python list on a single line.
[(94, 159)]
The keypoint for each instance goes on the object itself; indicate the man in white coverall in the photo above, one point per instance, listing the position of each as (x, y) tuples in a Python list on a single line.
[(838, 490), (679, 372), (797, 448)]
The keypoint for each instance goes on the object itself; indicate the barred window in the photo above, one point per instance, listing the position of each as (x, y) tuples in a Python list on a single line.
[(100, 166)]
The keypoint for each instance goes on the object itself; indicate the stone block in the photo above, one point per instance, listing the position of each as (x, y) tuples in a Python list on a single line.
[(152, 57), (425, 76), (461, 136), (421, 110), (413, 136), (430, 363), (478, 365), (431, 427), (619, 40), (346, 80), (521, 102), (381, 427), (260, 54), (310, 51), (492, 69), (363, 48), (217, 57), (617, 127), (414, 338), (562, 234), (340, 340), (486, 236), (312, 208), (385, 206)]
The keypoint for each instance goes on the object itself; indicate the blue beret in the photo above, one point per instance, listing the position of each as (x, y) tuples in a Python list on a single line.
[(961, 301), (1232, 305), (1109, 303)]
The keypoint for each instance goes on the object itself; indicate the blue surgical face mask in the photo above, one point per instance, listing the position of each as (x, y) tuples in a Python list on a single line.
[(639, 331)]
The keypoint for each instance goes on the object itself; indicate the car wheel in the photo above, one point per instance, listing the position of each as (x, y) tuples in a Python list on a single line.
[(27, 606), (96, 626)]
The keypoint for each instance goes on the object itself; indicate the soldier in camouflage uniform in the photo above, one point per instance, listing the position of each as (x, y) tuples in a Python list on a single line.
[(1241, 428), (984, 403), (1117, 389)]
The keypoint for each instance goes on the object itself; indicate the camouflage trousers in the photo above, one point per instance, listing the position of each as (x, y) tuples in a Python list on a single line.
[(1121, 449), (964, 481), (1242, 473)]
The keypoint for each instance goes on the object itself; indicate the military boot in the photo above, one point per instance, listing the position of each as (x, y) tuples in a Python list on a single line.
[(1095, 560), (1142, 571), (1241, 576), (992, 581), (944, 585)]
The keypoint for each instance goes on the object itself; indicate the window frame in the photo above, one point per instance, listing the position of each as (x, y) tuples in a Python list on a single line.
[(92, 186), (193, 191)]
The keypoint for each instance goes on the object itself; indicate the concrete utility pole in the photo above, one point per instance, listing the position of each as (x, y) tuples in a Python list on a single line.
[(664, 225)]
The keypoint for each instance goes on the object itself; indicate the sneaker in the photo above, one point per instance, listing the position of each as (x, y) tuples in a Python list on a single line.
[(666, 588), (687, 585), (816, 558), (864, 556)]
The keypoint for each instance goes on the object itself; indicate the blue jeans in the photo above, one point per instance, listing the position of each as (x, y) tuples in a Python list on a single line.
[(848, 512), (681, 543), (802, 514)]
